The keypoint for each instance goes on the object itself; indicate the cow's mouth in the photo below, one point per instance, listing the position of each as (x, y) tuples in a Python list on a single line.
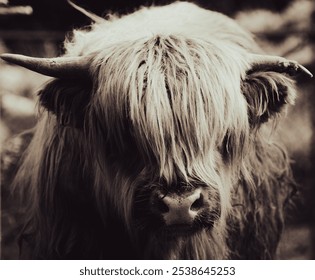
[(180, 230)]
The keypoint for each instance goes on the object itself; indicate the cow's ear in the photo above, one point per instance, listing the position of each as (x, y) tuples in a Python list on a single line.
[(67, 100), (269, 85), (267, 93)]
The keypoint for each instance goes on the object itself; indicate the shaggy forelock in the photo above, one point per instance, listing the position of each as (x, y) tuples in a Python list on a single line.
[(178, 99)]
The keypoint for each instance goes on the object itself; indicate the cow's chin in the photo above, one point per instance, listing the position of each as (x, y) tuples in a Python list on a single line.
[(200, 241), (182, 242)]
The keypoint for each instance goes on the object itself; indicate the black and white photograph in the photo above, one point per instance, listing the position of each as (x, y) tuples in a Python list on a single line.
[(157, 130)]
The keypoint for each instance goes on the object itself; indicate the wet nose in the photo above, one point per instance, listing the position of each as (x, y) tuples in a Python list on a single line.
[(180, 209)]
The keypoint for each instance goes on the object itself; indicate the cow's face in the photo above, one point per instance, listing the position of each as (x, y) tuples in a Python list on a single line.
[(166, 118)]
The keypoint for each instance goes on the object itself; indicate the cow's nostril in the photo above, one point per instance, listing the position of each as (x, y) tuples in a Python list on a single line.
[(198, 203)]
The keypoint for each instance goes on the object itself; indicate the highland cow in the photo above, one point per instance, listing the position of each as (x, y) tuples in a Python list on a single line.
[(153, 142)]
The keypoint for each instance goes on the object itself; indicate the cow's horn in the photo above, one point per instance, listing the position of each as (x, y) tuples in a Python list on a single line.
[(59, 67), (277, 64)]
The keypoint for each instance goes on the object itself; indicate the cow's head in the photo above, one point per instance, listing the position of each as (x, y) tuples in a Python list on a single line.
[(169, 121)]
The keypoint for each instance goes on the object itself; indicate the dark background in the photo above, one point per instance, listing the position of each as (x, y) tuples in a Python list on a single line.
[(48, 14), (282, 27)]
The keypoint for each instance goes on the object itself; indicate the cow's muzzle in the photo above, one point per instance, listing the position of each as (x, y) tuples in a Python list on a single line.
[(179, 209)]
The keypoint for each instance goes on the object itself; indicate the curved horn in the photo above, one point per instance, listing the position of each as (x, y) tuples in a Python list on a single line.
[(277, 64), (59, 67)]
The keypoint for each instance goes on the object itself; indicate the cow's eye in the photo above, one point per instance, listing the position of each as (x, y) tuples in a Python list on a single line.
[(225, 149)]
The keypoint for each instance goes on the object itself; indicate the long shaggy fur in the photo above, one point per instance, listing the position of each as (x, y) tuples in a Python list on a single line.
[(170, 103)]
